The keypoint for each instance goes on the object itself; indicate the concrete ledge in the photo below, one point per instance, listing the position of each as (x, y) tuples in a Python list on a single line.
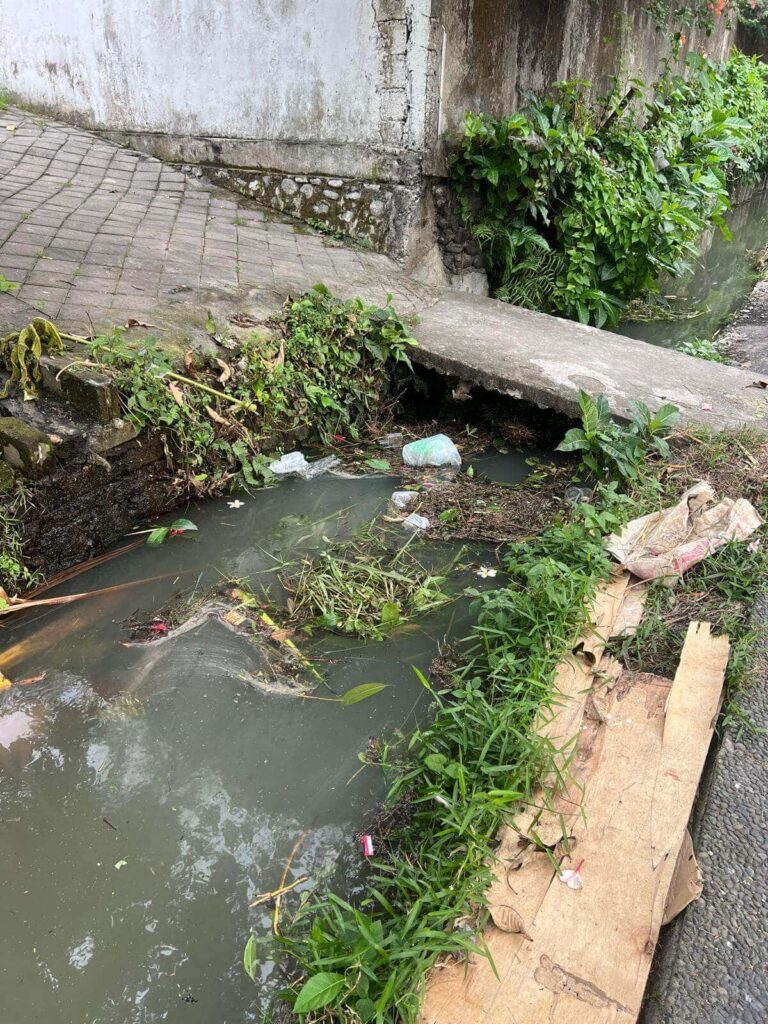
[(86, 390), (24, 447), (546, 361)]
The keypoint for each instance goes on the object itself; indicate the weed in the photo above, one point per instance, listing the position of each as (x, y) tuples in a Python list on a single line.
[(324, 229), (720, 590), (704, 348), (14, 574), (330, 366), (4, 100), (579, 205), (6, 285), (611, 451), (458, 777)]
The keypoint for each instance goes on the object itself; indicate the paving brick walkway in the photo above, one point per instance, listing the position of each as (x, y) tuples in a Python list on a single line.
[(90, 231)]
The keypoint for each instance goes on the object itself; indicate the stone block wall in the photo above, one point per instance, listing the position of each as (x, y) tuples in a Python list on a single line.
[(370, 212)]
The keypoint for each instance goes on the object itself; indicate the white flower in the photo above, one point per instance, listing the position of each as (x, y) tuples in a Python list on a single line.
[(485, 573), (236, 504), (753, 546)]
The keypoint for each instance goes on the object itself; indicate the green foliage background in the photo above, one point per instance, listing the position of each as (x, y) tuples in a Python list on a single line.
[(581, 204)]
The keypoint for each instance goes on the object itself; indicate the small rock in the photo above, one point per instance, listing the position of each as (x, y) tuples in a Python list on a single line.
[(416, 523)]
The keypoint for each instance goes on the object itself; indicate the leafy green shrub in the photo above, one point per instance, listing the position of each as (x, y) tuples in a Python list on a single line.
[(754, 14), (328, 365), (612, 451), (337, 366), (579, 206), (704, 348)]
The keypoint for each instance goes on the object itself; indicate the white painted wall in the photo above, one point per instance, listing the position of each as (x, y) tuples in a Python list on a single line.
[(285, 70)]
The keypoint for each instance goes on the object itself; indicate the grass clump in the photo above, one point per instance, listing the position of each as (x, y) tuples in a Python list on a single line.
[(362, 587), (580, 205), (14, 574), (475, 762)]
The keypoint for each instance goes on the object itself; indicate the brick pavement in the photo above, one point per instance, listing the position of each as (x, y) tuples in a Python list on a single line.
[(94, 233)]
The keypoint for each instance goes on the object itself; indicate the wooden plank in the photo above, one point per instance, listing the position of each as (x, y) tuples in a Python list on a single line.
[(687, 881), (585, 955), (595, 927), (688, 727)]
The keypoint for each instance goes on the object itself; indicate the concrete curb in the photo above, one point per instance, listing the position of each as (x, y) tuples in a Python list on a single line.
[(712, 963)]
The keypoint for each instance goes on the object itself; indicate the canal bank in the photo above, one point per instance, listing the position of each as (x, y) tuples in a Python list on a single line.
[(475, 342)]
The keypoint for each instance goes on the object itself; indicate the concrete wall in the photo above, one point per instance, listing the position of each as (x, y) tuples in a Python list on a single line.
[(295, 102), (302, 85), (493, 51)]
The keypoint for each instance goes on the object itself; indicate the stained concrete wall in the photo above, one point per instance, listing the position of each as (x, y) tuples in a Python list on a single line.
[(494, 51), (337, 110), (318, 86)]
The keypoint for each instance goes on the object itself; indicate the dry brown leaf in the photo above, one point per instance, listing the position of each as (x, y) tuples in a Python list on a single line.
[(226, 371), (279, 359), (189, 362), (234, 618), (132, 322), (31, 679), (215, 416), (178, 394), (508, 920), (282, 634)]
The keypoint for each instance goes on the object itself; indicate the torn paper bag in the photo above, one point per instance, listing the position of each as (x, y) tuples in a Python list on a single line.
[(665, 544)]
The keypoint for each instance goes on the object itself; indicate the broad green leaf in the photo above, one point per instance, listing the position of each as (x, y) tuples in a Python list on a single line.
[(362, 692), (183, 524), (436, 762), (390, 613), (365, 1010), (382, 465), (158, 536), (249, 957), (574, 441), (318, 991)]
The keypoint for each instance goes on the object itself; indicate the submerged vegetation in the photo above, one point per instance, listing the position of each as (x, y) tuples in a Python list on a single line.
[(362, 587), (580, 203)]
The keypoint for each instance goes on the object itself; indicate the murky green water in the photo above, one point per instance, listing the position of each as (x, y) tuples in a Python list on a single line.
[(720, 284), (132, 843)]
